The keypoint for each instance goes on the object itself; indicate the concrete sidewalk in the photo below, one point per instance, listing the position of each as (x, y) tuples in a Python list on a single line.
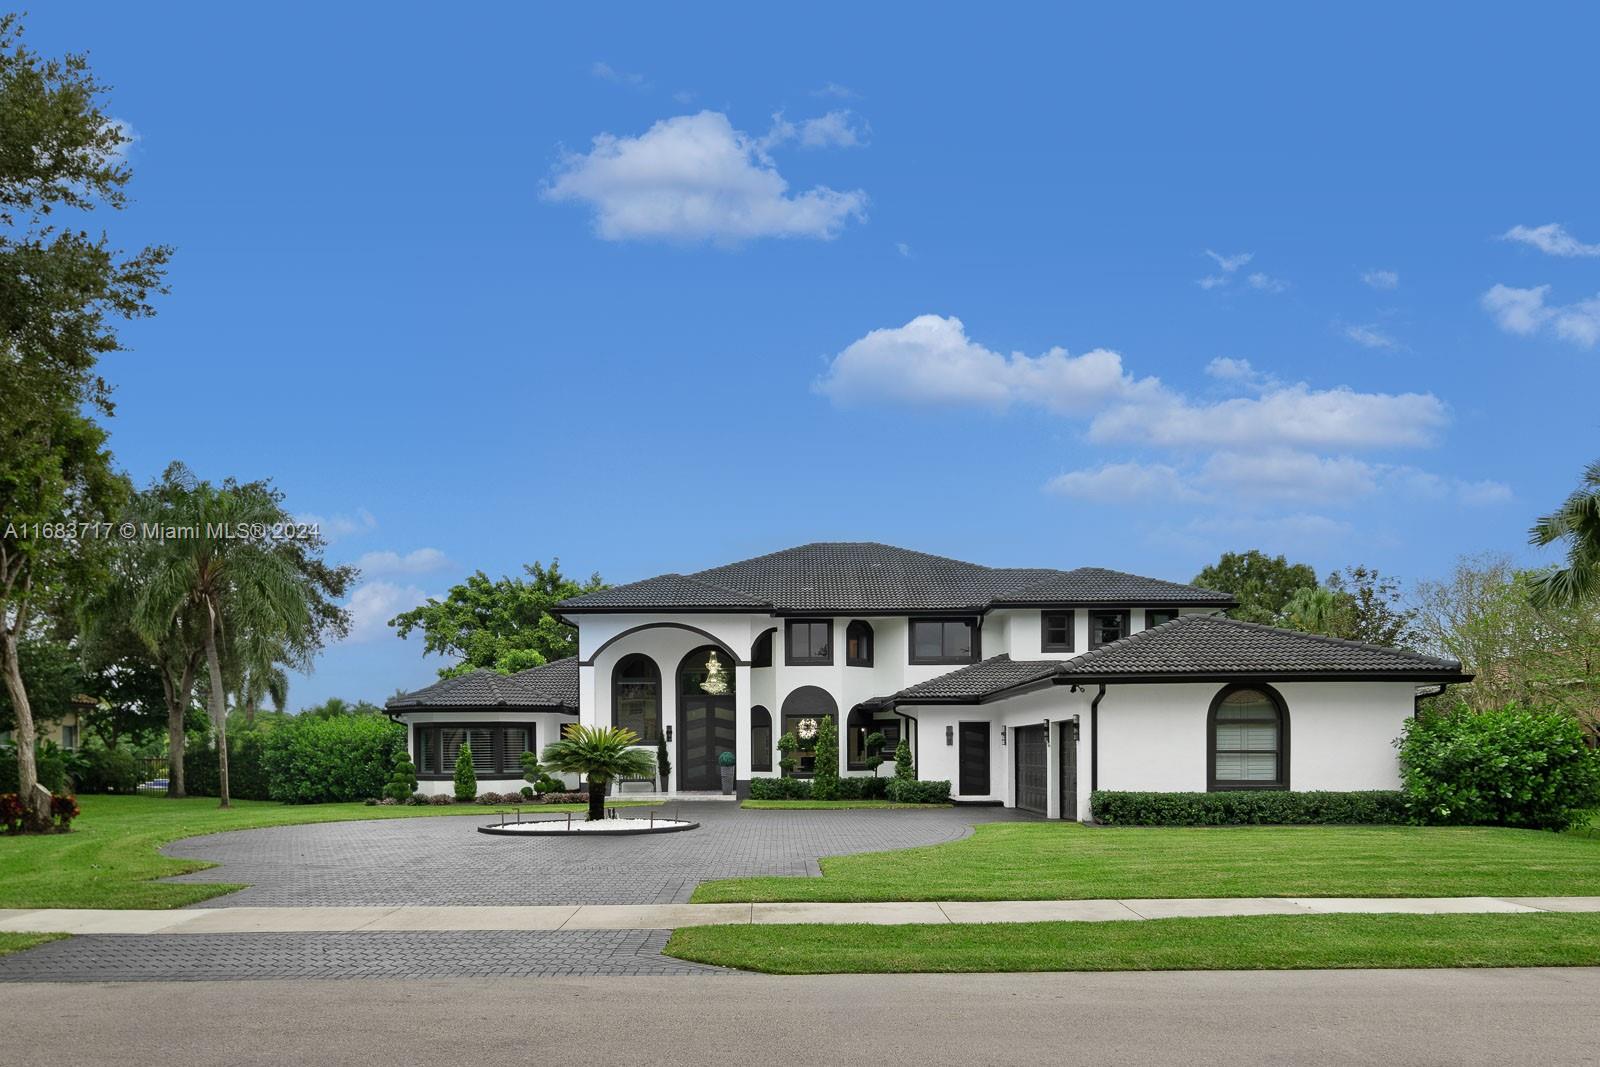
[(671, 916)]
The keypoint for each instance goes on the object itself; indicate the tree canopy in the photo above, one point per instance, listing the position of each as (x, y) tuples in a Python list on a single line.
[(1262, 584), (504, 624), (1577, 522)]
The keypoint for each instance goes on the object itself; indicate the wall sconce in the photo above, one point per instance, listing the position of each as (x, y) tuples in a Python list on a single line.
[(949, 734), (1002, 737), (669, 732)]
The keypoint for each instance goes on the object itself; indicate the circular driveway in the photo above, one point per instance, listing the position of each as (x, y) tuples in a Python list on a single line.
[(445, 860)]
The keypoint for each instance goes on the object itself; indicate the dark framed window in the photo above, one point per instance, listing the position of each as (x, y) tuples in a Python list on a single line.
[(1247, 732), (1157, 616), (1057, 631), (497, 748), (760, 739), (1106, 627), (862, 726), (761, 651), (807, 702), (809, 643), (858, 644), (944, 640), (636, 696)]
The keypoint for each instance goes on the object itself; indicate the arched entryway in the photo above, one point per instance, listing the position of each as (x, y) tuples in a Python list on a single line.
[(807, 702), (706, 722)]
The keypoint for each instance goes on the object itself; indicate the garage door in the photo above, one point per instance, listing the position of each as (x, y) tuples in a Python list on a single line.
[(1033, 762)]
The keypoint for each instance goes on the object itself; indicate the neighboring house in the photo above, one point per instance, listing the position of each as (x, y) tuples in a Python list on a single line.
[(1027, 687), (62, 729)]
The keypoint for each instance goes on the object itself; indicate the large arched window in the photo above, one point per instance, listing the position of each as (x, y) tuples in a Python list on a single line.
[(807, 702), (636, 696), (858, 644), (1248, 739), (760, 739)]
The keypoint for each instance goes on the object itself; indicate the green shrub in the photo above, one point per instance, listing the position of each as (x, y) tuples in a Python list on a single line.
[(316, 760), (1249, 807), (863, 788), (106, 770), (825, 775), (403, 779), (911, 791), (780, 789), (663, 761), (903, 767), (541, 780), (48, 760), (726, 760), (466, 777), (1513, 766), (248, 776)]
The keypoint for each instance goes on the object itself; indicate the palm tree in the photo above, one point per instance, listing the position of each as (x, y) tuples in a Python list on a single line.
[(602, 754), (229, 585), (1317, 610), (1577, 522)]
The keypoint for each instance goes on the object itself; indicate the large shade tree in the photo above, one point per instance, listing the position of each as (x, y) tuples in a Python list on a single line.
[(62, 291), (1262, 584)]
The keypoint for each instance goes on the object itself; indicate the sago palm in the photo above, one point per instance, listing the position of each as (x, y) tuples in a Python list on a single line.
[(602, 754), (1577, 522)]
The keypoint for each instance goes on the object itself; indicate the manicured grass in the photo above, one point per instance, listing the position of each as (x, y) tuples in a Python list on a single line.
[(10, 943), (1049, 861), (827, 805), (109, 858), (1268, 942)]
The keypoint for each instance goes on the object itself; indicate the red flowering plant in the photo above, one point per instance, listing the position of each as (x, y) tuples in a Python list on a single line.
[(65, 808), (11, 812)]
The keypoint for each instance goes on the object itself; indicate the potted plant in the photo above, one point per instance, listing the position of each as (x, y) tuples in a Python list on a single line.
[(725, 765)]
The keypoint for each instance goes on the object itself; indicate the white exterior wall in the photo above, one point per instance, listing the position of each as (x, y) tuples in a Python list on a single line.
[(547, 727), (1019, 633)]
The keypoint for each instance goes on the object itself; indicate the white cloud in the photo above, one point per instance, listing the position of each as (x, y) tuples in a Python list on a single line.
[(836, 129), (1288, 474), (695, 177), (1212, 281), (1369, 336), (1271, 531), (1524, 312), (903, 248), (1123, 482), (1382, 279), (1229, 264), (930, 360), (340, 526), (417, 561), (606, 72), (130, 137), (1266, 283), (1552, 239), (373, 604), (1228, 369), (836, 91)]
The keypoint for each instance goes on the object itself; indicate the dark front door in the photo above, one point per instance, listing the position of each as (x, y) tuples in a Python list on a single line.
[(705, 730), (974, 760), (1033, 768), (1069, 770)]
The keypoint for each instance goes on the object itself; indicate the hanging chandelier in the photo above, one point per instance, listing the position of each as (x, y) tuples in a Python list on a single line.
[(716, 682)]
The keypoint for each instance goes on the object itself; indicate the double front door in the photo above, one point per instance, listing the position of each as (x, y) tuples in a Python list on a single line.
[(706, 729)]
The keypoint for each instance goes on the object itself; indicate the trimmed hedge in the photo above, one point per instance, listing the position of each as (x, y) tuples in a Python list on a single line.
[(248, 778), (314, 761), (802, 789), (911, 791), (1250, 807), (1511, 766)]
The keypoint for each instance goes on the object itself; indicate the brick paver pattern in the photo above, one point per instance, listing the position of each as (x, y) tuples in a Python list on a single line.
[(446, 861)]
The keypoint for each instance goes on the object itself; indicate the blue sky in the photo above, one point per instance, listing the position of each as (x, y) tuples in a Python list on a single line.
[(651, 290)]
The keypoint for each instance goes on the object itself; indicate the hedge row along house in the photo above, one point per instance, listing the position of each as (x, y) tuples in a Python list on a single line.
[(1028, 687)]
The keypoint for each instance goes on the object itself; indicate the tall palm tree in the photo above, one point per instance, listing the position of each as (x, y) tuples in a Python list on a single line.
[(1577, 522), (602, 754), (222, 581)]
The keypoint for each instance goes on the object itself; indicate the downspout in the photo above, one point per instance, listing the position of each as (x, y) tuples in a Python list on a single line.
[(1094, 739), (915, 736)]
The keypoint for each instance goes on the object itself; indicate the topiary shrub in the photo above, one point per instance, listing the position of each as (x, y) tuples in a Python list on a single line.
[(663, 762), (1512, 766), (903, 767), (825, 774), (403, 779), (347, 758), (1250, 807), (527, 792), (542, 780), (466, 784), (911, 791), (788, 745)]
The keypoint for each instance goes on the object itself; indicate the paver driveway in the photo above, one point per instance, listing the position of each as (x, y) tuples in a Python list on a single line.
[(446, 861)]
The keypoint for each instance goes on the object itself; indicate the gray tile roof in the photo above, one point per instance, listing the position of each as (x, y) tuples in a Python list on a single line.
[(553, 687), (1212, 646), (863, 577), (974, 683)]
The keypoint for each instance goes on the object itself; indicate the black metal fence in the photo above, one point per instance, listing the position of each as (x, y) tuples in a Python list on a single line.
[(153, 777)]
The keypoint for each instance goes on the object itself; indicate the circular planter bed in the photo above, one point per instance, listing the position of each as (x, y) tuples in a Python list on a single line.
[(576, 828)]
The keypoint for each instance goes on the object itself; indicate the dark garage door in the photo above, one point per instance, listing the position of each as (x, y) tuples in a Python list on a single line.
[(1033, 762)]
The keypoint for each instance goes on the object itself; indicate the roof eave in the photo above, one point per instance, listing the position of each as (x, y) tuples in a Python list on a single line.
[(1106, 678)]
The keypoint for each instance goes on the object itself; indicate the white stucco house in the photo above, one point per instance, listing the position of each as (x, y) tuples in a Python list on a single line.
[(1028, 687)]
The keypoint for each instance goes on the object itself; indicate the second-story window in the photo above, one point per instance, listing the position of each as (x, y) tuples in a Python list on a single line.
[(1157, 616), (810, 642), (858, 644), (944, 640), (1056, 635), (1106, 627)]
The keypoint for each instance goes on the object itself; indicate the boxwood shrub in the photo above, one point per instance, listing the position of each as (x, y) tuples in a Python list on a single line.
[(314, 761), (1249, 807), (801, 789), (911, 791), (1511, 766)]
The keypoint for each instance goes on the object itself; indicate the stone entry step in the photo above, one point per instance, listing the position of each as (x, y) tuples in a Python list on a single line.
[(670, 916)]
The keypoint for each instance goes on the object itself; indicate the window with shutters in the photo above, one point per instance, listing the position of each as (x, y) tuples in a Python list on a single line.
[(496, 748)]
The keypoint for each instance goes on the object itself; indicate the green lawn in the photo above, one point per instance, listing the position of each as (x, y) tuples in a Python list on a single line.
[(1268, 942), (826, 805), (110, 857), (1045, 861), (10, 943)]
